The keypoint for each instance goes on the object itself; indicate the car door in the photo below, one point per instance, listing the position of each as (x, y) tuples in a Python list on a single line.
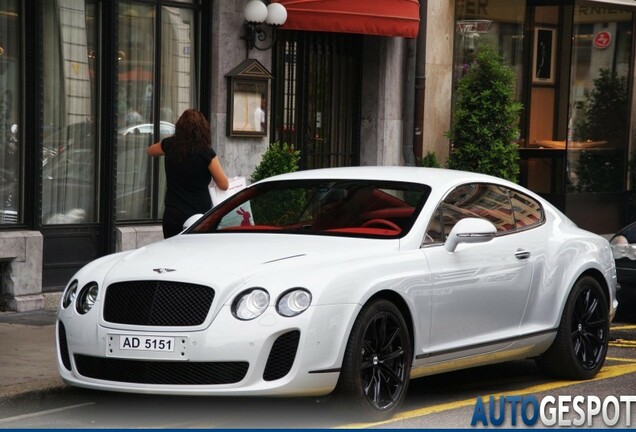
[(480, 290)]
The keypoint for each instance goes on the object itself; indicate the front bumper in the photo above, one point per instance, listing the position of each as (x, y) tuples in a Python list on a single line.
[(256, 353)]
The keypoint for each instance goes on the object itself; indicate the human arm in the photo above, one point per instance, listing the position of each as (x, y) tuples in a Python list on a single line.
[(218, 175), (155, 149)]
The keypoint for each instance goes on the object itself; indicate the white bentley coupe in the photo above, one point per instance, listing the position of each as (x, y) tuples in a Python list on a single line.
[(346, 280)]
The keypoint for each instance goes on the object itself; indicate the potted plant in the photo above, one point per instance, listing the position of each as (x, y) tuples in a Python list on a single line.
[(428, 160), (279, 158), (485, 119)]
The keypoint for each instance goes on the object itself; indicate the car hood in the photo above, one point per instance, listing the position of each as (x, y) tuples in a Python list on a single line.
[(226, 260)]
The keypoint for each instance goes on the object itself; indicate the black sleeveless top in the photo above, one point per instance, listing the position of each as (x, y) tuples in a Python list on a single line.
[(187, 180)]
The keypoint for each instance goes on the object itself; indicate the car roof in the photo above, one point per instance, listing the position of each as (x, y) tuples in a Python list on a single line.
[(434, 177)]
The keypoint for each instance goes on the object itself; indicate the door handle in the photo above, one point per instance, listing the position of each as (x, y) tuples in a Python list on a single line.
[(522, 254)]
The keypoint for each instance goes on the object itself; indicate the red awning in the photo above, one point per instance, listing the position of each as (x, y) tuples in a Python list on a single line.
[(373, 17)]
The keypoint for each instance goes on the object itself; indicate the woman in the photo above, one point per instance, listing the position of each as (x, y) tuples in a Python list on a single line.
[(190, 163)]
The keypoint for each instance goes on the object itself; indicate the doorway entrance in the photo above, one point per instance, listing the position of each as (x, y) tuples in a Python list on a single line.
[(316, 97)]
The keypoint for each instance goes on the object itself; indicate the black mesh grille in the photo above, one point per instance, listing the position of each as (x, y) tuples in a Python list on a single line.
[(282, 356), (157, 303), (61, 337), (161, 372)]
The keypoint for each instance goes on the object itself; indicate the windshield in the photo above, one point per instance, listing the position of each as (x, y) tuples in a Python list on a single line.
[(355, 208)]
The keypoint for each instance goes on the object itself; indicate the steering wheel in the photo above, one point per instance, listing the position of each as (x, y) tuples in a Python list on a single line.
[(381, 223)]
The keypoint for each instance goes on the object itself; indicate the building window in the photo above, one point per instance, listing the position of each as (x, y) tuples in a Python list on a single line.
[(147, 114), (69, 148), (598, 121), (498, 23), (10, 145)]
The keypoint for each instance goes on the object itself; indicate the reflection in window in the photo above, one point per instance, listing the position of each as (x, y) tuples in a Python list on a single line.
[(598, 124), (138, 98), (136, 66), (9, 113), (527, 211), (473, 200), (489, 202), (70, 142), (500, 25)]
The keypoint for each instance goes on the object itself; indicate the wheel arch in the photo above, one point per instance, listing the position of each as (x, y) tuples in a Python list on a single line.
[(403, 307), (598, 276)]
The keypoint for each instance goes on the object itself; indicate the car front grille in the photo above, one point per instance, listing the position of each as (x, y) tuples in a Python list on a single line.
[(160, 372), (157, 303), (281, 357)]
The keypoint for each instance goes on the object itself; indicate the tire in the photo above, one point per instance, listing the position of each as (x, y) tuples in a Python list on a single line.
[(580, 347), (377, 362)]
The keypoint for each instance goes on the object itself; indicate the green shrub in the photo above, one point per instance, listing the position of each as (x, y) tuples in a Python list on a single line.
[(429, 160), (279, 158), (606, 109), (485, 119)]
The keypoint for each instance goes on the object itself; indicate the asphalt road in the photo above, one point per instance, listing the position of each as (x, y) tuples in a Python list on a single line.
[(443, 401)]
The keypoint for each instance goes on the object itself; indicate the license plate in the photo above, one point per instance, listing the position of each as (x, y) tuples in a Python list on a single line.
[(146, 343)]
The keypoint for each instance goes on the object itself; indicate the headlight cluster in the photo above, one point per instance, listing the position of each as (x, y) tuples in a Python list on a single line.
[(253, 302), (84, 298)]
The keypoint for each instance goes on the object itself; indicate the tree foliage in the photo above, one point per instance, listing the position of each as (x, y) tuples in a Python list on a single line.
[(279, 158), (485, 119)]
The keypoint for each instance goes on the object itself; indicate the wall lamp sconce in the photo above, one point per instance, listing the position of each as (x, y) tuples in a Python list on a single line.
[(256, 15)]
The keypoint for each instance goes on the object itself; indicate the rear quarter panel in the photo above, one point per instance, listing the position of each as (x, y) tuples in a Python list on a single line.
[(570, 253)]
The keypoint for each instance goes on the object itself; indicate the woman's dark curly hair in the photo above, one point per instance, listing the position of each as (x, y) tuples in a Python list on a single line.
[(192, 134)]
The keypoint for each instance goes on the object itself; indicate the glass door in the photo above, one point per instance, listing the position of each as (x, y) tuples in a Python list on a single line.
[(599, 115)]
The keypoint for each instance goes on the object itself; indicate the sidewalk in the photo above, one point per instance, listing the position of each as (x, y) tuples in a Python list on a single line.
[(27, 352)]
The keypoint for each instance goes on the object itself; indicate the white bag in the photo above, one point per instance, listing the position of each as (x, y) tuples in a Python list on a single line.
[(219, 195)]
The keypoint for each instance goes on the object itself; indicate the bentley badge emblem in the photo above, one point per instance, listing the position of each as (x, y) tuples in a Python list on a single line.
[(163, 270)]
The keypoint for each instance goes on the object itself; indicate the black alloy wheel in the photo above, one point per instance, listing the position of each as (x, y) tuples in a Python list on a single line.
[(580, 347), (377, 362), (589, 329)]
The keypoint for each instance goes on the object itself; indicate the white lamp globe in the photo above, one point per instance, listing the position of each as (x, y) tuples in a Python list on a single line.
[(276, 14), (255, 12)]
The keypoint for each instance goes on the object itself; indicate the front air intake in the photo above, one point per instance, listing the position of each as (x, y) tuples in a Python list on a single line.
[(281, 357), (160, 372), (63, 345)]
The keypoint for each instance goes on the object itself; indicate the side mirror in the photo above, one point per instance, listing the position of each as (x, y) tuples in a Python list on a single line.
[(192, 219), (470, 230)]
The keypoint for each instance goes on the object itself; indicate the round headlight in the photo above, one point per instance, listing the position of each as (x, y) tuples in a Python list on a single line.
[(87, 297), (294, 302), (70, 294), (250, 304)]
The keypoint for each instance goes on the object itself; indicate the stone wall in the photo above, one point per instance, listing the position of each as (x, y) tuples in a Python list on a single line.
[(21, 262)]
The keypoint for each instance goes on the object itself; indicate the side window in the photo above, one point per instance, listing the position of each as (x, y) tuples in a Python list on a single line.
[(476, 200), (527, 211), (435, 232)]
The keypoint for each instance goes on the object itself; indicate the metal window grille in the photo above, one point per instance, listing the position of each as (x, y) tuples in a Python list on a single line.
[(316, 97)]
